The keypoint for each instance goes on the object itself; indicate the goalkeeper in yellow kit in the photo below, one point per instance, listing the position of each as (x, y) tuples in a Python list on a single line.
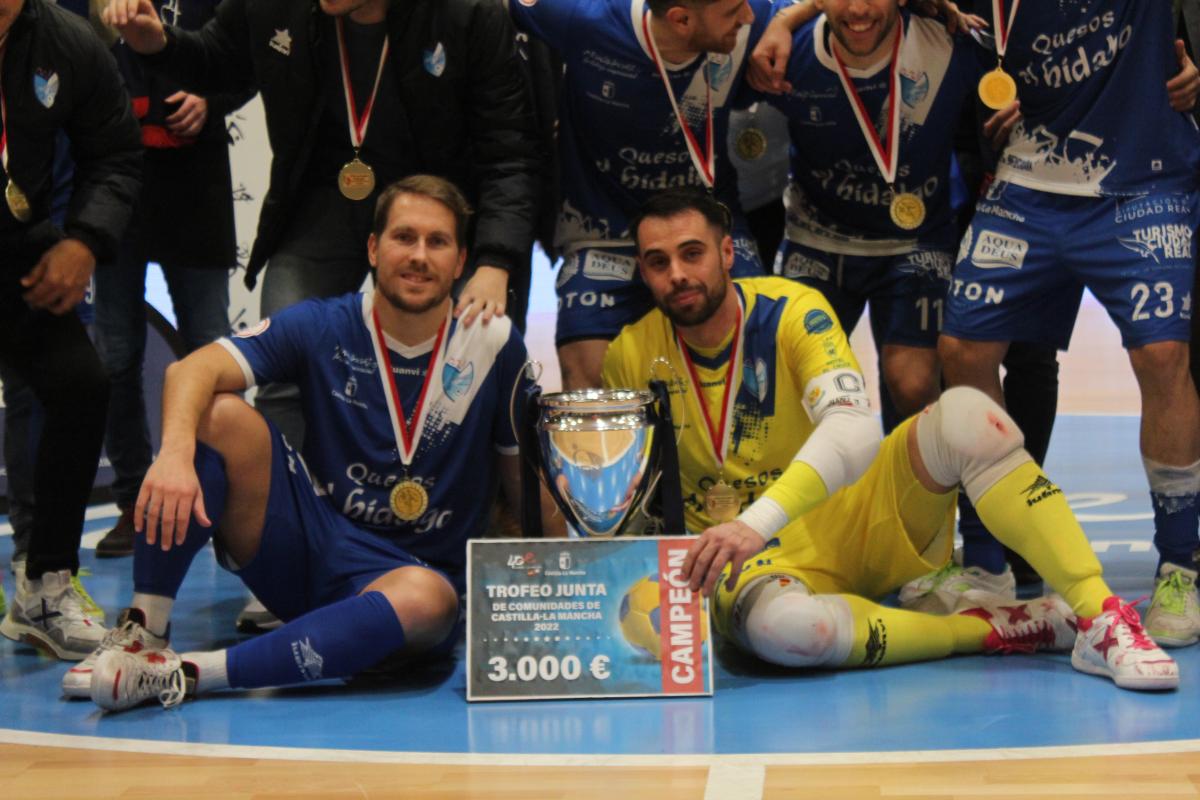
[(807, 516)]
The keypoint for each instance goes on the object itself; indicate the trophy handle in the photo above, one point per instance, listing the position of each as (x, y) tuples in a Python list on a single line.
[(668, 479), (523, 415)]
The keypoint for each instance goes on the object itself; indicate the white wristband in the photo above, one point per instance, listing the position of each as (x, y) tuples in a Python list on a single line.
[(765, 517)]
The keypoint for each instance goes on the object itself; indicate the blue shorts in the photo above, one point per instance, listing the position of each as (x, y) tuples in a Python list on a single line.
[(600, 290), (907, 292), (311, 555), (1028, 255)]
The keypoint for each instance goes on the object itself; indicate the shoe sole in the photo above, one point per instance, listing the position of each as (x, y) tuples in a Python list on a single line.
[(31, 636), (250, 626), (1135, 684)]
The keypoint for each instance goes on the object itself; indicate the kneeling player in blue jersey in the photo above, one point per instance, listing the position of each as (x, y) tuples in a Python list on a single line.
[(359, 543)]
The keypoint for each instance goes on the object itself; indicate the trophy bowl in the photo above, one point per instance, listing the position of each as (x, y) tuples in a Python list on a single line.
[(597, 451)]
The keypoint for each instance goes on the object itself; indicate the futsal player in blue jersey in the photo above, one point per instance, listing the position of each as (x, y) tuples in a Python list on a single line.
[(359, 543), (645, 107), (874, 102), (1098, 188)]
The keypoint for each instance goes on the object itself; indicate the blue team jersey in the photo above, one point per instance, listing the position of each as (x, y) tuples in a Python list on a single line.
[(619, 139), (837, 199), (325, 347), (1091, 76)]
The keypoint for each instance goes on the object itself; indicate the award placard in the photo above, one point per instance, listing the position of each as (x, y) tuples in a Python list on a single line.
[(576, 618)]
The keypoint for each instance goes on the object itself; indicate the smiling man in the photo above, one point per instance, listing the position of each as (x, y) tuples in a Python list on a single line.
[(359, 545)]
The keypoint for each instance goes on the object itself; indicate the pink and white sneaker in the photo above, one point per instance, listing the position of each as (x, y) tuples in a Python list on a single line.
[(1114, 644), (1044, 623)]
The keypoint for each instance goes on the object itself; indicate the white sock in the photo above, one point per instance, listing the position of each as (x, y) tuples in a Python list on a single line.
[(210, 670), (157, 610)]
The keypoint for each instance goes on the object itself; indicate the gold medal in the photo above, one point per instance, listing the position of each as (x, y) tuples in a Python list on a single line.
[(721, 502), (18, 203), (409, 500), (997, 89), (356, 180), (751, 144), (907, 210)]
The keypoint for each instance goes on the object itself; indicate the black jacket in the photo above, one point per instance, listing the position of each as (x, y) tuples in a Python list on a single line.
[(54, 55), (473, 123)]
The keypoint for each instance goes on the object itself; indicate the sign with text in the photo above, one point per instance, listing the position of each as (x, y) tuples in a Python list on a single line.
[(565, 618)]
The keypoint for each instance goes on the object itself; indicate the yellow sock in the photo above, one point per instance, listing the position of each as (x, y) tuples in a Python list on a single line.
[(884, 635), (1029, 514)]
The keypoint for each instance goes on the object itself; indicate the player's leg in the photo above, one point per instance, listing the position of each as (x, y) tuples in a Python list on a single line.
[(782, 622), (409, 609), (1138, 259), (234, 463), (965, 438)]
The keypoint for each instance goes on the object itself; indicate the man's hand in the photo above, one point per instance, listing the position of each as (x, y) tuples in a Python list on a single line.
[(1184, 87), (189, 118), (727, 543), (486, 293), (768, 62), (60, 279), (170, 495), (1000, 125), (138, 23)]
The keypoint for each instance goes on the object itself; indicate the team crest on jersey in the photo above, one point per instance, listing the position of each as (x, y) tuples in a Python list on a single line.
[(435, 60), (254, 330), (720, 68), (817, 321), (45, 86), (913, 88), (457, 378), (755, 379)]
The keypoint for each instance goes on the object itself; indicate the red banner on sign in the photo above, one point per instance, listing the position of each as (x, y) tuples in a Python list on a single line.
[(682, 647)]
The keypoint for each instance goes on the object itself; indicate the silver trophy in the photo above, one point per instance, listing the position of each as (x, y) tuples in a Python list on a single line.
[(602, 453)]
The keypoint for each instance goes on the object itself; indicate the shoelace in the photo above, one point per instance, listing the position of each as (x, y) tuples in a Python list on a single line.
[(1025, 637), (169, 687), (1127, 614), (1173, 589), (175, 690)]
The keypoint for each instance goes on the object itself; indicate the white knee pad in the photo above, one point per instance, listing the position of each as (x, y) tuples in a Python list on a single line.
[(778, 620), (965, 437)]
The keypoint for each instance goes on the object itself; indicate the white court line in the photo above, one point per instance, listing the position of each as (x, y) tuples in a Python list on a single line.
[(735, 782), (18, 737)]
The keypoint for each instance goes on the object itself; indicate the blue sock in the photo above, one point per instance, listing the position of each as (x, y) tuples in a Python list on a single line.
[(336, 641), (1175, 524), (161, 573), (980, 548)]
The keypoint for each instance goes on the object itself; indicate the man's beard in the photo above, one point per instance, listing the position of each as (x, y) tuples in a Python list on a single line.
[(697, 316), (404, 304)]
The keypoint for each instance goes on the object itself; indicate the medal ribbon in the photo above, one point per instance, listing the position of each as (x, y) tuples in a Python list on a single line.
[(703, 162), (886, 153), (407, 436), (1003, 24), (719, 437), (358, 124)]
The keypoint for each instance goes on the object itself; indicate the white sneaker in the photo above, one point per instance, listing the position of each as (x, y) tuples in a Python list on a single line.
[(130, 635), (941, 592), (1043, 623), (49, 614), (1114, 644), (122, 679), (1174, 616)]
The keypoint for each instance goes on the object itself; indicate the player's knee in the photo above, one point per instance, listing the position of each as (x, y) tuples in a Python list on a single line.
[(425, 603), (786, 625), (1160, 363), (911, 390), (966, 437), (224, 420)]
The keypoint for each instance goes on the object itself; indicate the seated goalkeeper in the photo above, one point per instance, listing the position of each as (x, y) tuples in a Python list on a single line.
[(807, 516)]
